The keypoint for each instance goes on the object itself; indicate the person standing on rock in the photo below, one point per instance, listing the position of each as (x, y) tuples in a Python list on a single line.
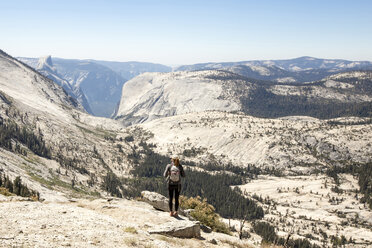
[(173, 172)]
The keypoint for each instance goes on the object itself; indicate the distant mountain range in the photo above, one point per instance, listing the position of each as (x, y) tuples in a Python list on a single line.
[(95, 84), (98, 85), (131, 69), (156, 95), (303, 69), (25, 85)]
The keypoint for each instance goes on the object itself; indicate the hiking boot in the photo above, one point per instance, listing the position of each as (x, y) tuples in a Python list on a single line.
[(171, 213), (175, 214)]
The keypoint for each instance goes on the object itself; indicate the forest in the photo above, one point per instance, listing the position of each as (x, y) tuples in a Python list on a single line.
[(262, 103), (364, 174), (228, 202)]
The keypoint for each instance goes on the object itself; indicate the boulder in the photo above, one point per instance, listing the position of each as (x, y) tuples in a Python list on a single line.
[(179, 229), (158, 201)]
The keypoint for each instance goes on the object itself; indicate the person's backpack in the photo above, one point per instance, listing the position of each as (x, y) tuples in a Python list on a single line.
[(174, 174)]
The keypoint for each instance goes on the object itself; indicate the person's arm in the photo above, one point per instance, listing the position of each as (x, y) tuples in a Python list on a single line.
[(166, 172)]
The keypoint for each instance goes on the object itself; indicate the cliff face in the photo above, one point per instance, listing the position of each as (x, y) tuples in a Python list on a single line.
[(155, 95)]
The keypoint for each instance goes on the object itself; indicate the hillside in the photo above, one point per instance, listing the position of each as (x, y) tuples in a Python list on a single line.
[(95, 223), (156, 95), (304, 172), (46, 138), (31, 88), (291, 145)]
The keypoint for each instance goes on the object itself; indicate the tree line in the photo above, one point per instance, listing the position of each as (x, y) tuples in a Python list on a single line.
[(268, 234), (17, 187), (262, 103), (11, 133), (364, 174), (148, 172)]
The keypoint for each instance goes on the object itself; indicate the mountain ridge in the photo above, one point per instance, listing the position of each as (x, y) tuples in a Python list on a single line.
[(302, 69), (151, 96), (45, 66)]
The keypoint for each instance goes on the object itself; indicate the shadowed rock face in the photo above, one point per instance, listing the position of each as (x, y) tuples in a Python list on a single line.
[(180, 229)]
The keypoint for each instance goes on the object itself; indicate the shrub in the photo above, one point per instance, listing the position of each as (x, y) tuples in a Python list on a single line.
[(130, 229), (204, 212), (5, 192)]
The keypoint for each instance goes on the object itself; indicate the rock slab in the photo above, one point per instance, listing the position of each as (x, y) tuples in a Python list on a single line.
[(158, 201), (179, 229)]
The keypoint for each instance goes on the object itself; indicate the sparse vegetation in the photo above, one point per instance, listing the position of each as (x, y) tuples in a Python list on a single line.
[(204, 212), (131, 242), (16, 187), (364, 174), (268, 234), (130, 229), (149, 173), (12, 135)]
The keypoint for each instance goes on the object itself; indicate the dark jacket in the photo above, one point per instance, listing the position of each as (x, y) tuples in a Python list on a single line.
[(167, 174)]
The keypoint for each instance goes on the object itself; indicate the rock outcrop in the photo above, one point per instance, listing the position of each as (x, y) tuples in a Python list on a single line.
[(180, 229), (158, 201)]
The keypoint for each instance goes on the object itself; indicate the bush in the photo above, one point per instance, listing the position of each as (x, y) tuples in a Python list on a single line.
[(204, 212), (5, 192), (229, 203)]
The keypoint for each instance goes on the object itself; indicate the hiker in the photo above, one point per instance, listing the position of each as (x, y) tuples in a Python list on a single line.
[(173, 172)]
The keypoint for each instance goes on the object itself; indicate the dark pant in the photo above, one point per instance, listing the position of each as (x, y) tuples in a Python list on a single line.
[(174, 190)]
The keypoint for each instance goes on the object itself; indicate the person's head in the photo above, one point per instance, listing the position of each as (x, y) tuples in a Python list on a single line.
[(176, 161)]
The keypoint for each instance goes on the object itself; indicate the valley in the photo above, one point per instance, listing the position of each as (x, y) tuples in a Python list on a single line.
[(302, 175)]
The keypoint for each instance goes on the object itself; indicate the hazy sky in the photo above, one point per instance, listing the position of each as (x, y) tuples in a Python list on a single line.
[(187, 31)]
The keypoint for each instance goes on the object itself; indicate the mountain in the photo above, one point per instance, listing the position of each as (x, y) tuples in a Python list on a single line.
[(156, 95), (343, 94), (303, 69), (100, 85), (22, 83), (309, 63), (131, 69), (45, 132), (96, 84), (45, 67)]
